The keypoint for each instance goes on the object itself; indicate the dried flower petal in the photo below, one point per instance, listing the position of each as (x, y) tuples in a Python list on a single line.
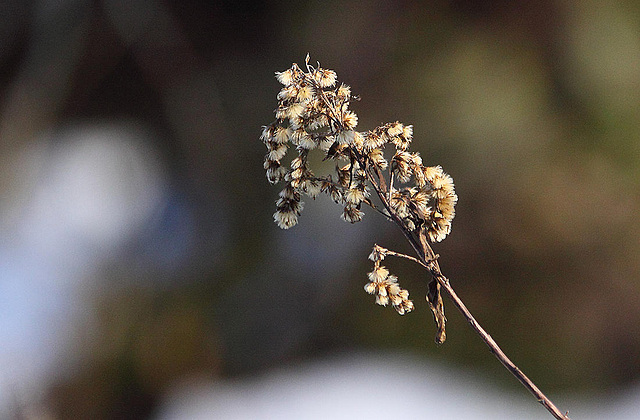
[(285, 77), (350, 120)]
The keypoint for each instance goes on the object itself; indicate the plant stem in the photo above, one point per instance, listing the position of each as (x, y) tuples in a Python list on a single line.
[(432, 265)]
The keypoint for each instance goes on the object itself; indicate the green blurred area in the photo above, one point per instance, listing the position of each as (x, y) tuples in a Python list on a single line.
[(532, 107)]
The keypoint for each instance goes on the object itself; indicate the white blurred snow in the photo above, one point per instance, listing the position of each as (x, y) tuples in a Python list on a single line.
[(384, 386)]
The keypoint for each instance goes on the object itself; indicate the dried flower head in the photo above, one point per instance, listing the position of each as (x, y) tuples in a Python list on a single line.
[(313, 113)]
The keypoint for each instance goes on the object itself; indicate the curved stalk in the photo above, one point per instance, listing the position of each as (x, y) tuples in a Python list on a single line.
[(433, 267)]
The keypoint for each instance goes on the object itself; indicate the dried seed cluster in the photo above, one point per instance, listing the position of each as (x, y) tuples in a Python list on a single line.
[(385, 286), (313, 113)]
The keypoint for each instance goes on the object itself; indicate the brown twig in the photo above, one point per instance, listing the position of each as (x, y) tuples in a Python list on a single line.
[(429, 260), (434, 268)]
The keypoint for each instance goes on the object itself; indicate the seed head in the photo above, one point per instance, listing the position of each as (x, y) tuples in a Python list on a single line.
[(312, 113)]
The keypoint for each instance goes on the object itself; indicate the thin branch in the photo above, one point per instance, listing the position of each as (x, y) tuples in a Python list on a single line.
[(394, 216), (409, 257), (374, 207), (434, 268)]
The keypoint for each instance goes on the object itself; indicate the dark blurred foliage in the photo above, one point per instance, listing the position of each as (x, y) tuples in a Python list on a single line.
[(530, 106)]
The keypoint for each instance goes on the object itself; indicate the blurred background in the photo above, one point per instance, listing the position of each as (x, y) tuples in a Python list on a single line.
[(141, 273)]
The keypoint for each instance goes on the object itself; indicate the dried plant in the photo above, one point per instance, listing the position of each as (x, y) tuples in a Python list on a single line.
[(313, 113)]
